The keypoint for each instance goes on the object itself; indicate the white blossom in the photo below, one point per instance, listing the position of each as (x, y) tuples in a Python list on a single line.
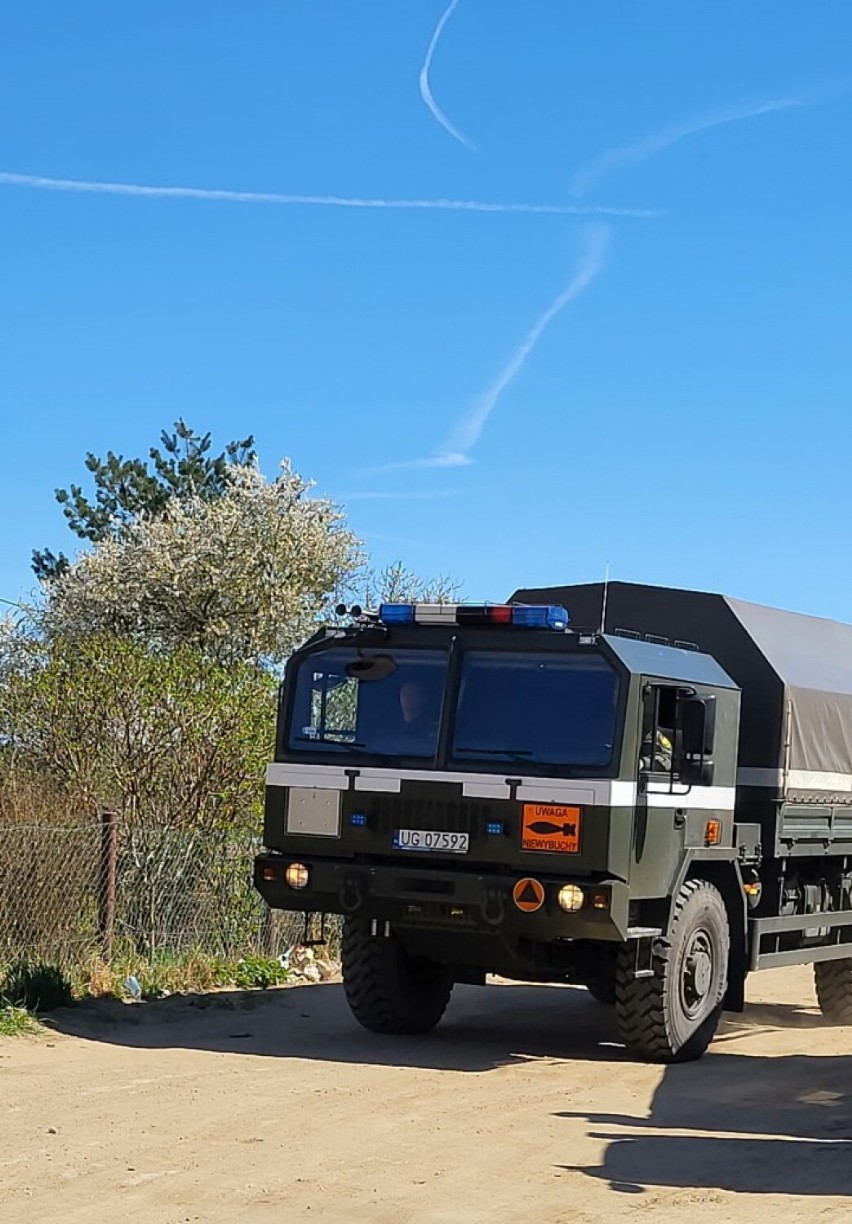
[(243, 576)]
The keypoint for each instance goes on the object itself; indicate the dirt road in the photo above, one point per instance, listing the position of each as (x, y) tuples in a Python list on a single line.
[(522, 1107)]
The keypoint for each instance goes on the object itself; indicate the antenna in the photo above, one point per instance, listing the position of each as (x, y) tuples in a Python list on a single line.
[(603, 601)]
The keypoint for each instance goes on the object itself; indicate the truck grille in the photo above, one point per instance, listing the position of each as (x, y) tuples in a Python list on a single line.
[(391, 812)]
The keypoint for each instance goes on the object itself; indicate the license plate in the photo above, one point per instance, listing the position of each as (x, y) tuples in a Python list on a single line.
[(423, 839)]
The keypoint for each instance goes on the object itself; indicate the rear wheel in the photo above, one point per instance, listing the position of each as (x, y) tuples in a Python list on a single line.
[(672, 1015), (388, 990), (834, 989)]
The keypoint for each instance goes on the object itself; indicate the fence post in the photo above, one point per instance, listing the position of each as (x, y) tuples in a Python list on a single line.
[(108, 873), (270, 932)]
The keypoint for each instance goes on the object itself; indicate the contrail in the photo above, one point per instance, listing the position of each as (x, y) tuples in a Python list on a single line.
[(442, 459), (624, 155), (9, 179), (468, 430), (425, 89)]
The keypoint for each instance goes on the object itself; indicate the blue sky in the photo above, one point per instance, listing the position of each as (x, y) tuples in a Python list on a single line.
[(683, 415)]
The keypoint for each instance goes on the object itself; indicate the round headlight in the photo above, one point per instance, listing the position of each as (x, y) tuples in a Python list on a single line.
[(570, 898), (297, 875)]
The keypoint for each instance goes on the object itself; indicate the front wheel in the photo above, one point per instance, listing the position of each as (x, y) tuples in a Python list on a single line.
[(672, 1015), (389, 991)]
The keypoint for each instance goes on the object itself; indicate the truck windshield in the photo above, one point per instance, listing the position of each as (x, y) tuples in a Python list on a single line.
[(369, 703), (544, 708)]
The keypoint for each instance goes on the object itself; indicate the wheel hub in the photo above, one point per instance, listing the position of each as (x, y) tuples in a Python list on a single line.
[(697, 974)]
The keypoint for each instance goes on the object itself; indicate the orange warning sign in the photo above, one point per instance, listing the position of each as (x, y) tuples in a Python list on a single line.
[(528, 895), (551, 826)]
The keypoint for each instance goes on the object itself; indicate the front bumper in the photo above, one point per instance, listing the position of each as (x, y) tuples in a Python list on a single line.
[(436, 898)]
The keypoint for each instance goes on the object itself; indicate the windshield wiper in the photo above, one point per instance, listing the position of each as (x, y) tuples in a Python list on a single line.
[(321, 739), (514, 753)]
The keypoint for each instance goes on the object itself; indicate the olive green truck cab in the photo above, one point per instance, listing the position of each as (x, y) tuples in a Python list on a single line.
[(649, 795)]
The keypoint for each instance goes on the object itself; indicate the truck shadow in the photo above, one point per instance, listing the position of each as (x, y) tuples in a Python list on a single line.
[(735, 1122), (483, 1028), (773, 1125), (768, 1016)]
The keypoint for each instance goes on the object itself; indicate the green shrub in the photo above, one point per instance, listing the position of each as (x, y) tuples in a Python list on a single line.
[(15, 1020), (36, 986), (257, 972)]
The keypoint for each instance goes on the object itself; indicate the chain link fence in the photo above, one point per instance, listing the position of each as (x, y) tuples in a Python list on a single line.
[(100, 891)]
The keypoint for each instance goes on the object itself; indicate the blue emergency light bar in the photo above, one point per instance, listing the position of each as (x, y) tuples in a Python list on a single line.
[(520, 616)]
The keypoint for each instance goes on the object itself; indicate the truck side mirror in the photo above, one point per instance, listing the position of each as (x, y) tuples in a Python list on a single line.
[(695, 738), (696, 721)]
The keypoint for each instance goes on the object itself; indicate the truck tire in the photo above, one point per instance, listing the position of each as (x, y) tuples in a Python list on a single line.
[(834, 989), (387, 990), (672, 1015)]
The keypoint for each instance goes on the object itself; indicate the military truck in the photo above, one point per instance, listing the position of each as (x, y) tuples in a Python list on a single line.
[(645, 791)]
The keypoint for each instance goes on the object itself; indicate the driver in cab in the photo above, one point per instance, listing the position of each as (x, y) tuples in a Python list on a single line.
[(419, 716)]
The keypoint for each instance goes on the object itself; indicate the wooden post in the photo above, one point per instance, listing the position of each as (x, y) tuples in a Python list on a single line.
[(107, 882), (270, 932)]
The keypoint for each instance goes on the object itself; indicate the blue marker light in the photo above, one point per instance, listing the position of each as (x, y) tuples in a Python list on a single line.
[(396, 614), (358, 819), (543, 617), (494, 828)]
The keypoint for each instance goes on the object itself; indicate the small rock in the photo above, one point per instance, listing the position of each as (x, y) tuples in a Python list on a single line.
[(51, 1130)]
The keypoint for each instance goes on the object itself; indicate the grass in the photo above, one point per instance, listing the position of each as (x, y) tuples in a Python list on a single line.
[(28, 988), (36, 986), (167, 973), (16, 1021)]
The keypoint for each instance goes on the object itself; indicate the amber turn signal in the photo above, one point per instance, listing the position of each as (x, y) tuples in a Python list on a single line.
[(712, 833)]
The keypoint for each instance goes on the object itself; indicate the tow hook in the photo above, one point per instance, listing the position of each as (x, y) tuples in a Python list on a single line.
[(494, 909), (352, 894)]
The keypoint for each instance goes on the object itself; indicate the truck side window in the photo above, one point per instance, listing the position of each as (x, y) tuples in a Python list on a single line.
[(658, 731), (334, 706)]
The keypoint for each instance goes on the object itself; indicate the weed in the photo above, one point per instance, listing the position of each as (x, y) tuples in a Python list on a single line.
[(166, 973), (15, 1021), (36, 986), (95, 979), (258, 972)]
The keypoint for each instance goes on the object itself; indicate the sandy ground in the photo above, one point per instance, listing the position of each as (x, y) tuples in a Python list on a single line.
[(521, 1107)]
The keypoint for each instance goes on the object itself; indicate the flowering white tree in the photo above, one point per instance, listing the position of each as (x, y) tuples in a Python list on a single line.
[(239, 577)]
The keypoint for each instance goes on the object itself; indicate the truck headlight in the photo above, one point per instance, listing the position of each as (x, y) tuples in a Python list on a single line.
[(297, 875), (570, 898)]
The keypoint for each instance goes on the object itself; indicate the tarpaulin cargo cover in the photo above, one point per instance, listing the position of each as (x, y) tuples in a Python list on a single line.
[(795, 673)]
